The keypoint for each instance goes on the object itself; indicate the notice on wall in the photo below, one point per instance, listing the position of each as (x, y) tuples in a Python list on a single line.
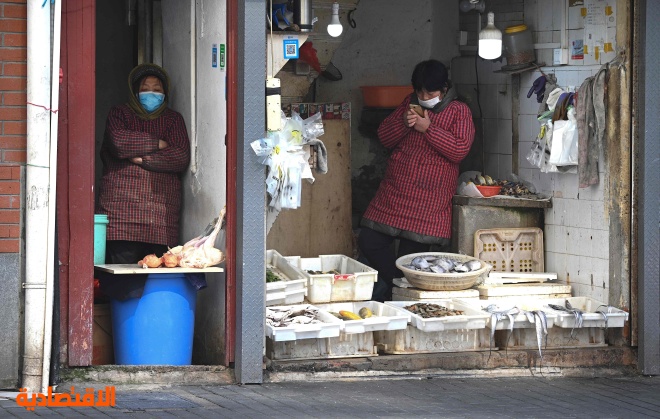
[(597, 14)]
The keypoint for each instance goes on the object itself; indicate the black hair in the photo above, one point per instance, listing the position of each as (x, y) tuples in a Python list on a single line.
[(430, 75)]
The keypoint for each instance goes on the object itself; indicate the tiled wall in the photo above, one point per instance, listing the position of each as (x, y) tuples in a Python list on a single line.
[(576, 230)]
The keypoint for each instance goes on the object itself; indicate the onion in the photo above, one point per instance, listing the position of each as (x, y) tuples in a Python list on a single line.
[(170, 260), (150, 261)]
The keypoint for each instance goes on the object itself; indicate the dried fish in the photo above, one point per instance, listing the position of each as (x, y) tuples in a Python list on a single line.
[(495, 316), (428, 310), (569, 309)]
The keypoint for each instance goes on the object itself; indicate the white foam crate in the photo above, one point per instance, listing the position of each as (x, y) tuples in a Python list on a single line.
[(285, 297), (472, 319), (558, 338), (293, 279), (413, 340), (415, 294), (520, 320), (588, 306), (331, 327), (384, 317), (343, 346), (355, 281)]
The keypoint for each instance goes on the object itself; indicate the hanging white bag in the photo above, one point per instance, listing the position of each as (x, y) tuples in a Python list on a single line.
[(564, 141)]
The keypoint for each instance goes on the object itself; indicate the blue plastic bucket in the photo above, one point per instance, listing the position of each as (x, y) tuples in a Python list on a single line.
[(100, 228), (157, 328)]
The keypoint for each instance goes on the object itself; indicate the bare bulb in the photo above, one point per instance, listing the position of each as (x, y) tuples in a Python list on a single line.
[(334, 27)]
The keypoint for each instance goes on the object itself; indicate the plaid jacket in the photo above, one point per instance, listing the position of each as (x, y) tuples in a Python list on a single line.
[(143, 202), (422, 170)]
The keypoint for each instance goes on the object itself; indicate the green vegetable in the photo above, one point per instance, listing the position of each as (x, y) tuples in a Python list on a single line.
[(271, 277)]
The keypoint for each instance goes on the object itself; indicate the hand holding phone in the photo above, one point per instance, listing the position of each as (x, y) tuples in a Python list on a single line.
[(418, 109)]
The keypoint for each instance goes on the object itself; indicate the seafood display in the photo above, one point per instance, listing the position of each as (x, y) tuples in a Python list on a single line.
[(568, 308), (286, 316), (440, 265), (536, 317), (332, 272), (429, 311), (364, 313), (509, 188)]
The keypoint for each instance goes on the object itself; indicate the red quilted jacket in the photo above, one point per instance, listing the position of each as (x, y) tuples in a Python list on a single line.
[(422, 170)]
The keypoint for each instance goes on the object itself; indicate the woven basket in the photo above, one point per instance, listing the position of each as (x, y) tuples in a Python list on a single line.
[(431, 281)]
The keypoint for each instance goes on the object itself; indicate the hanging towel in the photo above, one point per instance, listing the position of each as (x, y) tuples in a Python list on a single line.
[(586, 123)]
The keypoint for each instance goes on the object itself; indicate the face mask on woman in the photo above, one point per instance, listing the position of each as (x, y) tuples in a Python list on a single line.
[(429, 104), (151, 101)]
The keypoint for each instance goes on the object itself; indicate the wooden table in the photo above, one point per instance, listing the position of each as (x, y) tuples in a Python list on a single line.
[(126, 269)]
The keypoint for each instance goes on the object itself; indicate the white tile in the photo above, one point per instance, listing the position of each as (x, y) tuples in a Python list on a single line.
[(504, 102), (544, 16), (491, 163), (601, 246), (584, 214), (544, 37), (560, 238), (488, 96), (586, 268), (490, 135), (585, 242), (558, 13), (529, 11), (558, 206), (572, 241), (556, 36), (504, 136), (544, 56), (598, 221), (569, 80), (572, 208), (599, 294), (572, 265), (504, 168), (583, 75), (549, 215)]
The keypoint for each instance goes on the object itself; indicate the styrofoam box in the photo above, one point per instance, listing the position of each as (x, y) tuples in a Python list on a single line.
[(519, 320), (285, 297), (384, 318), (293, 278), (558, 338), (331, 327), (413, 340), (355, 282), (615, 317), (407, 294), (343, 346), (472, 319)]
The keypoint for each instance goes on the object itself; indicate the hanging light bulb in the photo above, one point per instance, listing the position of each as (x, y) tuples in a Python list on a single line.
[(334, 28), (490, 40)]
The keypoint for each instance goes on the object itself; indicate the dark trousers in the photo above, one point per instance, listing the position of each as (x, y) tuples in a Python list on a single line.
[(125, 252), (378, 250)]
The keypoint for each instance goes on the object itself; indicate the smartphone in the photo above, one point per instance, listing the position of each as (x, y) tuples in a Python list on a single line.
[(418, 109)]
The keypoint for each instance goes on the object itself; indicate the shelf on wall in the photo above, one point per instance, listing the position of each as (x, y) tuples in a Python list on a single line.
[(530, 67)]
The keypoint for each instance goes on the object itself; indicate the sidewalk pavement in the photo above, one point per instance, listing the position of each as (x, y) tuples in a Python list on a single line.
[(431, 397)]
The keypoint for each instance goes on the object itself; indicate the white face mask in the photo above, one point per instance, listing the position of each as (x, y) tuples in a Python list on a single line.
[(429, 104)]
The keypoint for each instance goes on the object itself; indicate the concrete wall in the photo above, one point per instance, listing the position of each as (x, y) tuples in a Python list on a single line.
[(199, 94)]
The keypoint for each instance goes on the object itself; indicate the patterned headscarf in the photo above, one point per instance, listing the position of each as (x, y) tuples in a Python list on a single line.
[(135, 79)]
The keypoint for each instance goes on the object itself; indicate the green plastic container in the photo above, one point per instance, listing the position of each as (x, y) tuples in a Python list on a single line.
[(100, 227)]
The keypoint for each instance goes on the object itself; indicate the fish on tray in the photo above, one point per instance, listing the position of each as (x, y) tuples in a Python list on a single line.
[(441, 265)]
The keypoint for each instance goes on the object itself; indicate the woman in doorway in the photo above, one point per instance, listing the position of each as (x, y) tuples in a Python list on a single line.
[(144, 153), (413, 202)]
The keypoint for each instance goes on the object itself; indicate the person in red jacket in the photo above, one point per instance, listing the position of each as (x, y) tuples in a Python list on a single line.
[(144, 153), (413, 201)]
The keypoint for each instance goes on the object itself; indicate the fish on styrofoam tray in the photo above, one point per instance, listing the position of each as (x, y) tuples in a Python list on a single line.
[(321, 324), (384, 317), (472, 318)]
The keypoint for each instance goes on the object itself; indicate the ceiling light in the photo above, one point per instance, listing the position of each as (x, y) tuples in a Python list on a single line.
[(334, 28), (490, 40), (467, 5)]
